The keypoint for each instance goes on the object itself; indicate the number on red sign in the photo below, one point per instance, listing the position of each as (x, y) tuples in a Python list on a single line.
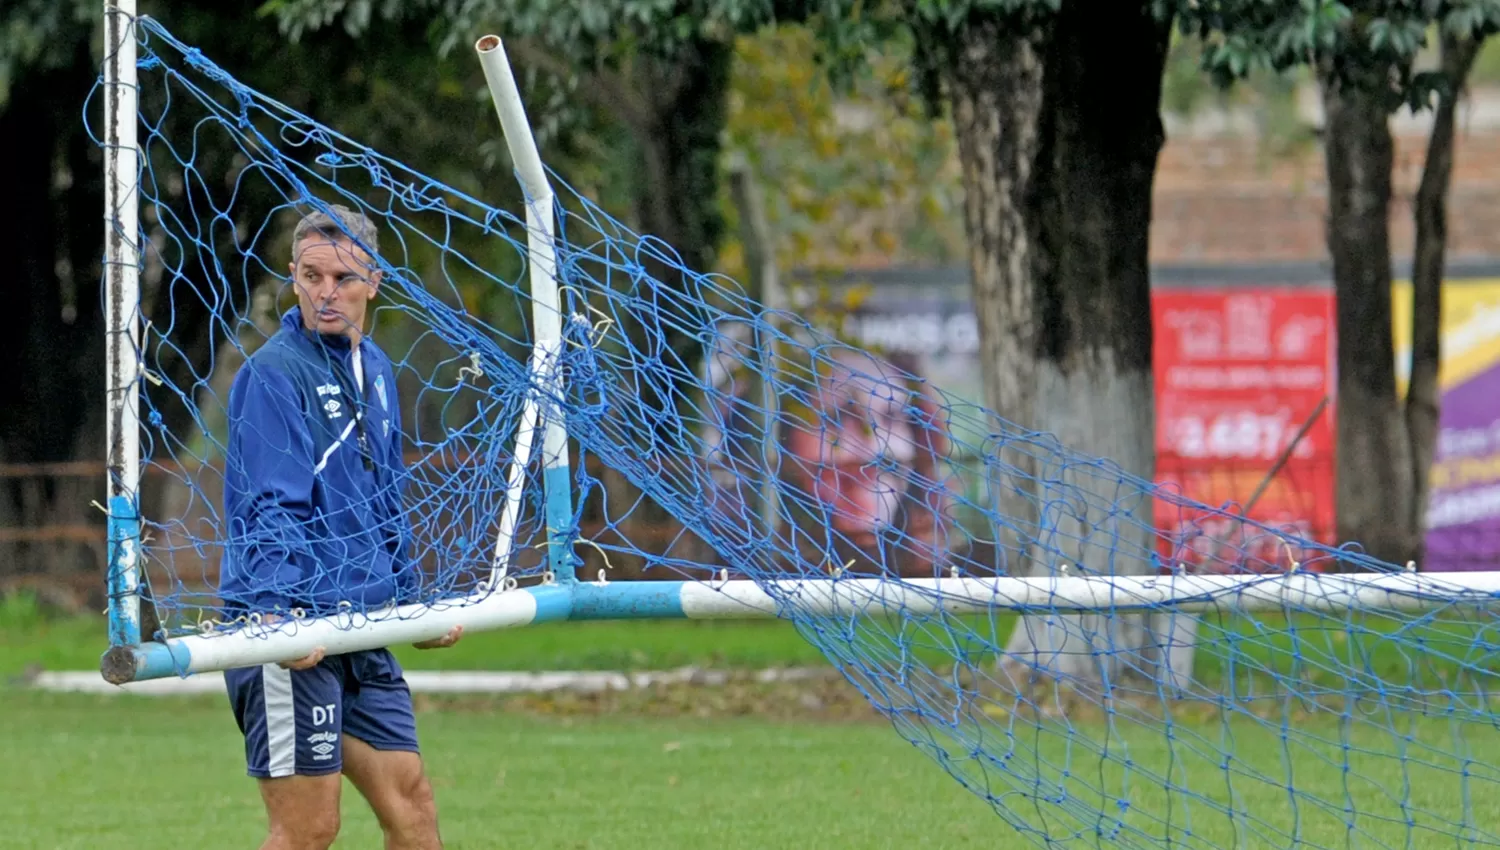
[(1241, 435)]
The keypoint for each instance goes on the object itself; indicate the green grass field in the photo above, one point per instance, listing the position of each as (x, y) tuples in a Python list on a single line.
[(103, 772)]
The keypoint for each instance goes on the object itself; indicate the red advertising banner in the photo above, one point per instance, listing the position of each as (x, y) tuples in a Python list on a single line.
[(1238, 373)]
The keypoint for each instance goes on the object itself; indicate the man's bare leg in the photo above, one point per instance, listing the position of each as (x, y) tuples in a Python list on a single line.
[(396, 787), (303, 810)]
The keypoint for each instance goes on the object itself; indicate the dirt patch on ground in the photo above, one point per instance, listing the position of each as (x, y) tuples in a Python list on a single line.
[(822, 696), (825, 696)]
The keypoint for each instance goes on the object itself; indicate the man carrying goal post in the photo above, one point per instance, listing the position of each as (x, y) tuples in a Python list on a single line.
[(313, 504)]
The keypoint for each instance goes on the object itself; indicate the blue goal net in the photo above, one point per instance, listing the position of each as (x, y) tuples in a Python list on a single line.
[(716, 443)]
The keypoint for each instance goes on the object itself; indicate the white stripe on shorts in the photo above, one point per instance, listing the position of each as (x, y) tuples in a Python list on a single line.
[(281, 719)]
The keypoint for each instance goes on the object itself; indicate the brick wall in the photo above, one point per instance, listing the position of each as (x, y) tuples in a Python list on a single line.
[(1220, 200)]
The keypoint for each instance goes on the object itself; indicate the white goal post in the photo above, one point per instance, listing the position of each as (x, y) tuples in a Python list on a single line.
[(258, 643)]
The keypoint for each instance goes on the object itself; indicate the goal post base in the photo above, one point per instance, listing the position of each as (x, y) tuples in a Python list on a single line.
[(261, 643)]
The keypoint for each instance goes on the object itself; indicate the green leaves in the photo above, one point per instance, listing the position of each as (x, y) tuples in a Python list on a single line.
[(585, 32), (1471, 18), (1375, 44), (851, 178), (949, 15), (1246, 36), (850, 31), (300, 16), (33, 33), (1400, 37)]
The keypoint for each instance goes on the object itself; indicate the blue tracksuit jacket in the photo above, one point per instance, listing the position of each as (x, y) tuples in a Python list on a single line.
[(314, 513)]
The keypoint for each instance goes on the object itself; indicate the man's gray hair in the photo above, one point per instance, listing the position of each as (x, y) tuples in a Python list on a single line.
[(343, 224)]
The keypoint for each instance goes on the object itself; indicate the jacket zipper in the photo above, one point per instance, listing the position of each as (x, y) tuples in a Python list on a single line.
[(359, 414)]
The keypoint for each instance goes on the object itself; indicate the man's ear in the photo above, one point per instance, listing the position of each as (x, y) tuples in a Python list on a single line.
[(375, 279)]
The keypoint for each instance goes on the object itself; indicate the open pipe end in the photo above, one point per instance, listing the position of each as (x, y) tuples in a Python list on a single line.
[(118, 665), (487, 43)]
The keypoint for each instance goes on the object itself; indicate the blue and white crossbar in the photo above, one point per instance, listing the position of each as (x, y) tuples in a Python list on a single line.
[(253, 644)]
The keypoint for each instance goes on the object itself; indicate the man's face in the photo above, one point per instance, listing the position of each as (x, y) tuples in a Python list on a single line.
[(335, 282)]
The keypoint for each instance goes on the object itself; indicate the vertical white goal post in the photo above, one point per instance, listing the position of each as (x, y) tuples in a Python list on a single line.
[(122, 293)]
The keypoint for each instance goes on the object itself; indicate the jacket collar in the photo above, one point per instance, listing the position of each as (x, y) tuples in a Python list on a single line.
[(291, 321)]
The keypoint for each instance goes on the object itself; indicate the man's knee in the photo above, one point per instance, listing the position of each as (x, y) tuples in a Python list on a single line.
[(303, 811), (414, 814), (419, 793), (315, 832)]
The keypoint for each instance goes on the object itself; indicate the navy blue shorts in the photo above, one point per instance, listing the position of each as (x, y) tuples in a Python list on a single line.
[(293, 720)]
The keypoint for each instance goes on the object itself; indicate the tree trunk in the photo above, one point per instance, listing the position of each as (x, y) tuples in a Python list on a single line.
[(676, 113), (1373, 455), (761, 439), (687, 108), (1059, 133), (1431, 214), (995, 83)]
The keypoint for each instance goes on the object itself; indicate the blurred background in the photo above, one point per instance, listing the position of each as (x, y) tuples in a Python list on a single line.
[(823, 161)]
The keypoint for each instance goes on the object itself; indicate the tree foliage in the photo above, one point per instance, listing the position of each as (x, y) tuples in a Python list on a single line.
[(35, 33), (1374, 45), (1240, 37), (584, 33), (1267, 100), (855, 176), (648, 76)]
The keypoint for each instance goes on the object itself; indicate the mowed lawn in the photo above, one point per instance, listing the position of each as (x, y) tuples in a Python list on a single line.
[(129, 771), (104, 772)]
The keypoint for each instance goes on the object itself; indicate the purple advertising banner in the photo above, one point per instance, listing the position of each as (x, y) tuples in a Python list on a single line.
[(1463, 507), (1463, 513)]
